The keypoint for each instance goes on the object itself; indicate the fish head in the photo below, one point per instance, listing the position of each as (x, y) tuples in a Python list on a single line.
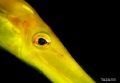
[(30, 39)]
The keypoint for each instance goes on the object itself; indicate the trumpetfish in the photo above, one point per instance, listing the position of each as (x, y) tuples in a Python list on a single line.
[(24, 34)]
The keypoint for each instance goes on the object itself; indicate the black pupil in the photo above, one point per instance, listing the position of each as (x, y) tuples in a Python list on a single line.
[(42, 41)]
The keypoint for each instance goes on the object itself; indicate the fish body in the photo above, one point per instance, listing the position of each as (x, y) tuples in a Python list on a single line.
[(24, 34)]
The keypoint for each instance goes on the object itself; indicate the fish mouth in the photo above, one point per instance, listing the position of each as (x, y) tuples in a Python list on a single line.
[(62, 68)]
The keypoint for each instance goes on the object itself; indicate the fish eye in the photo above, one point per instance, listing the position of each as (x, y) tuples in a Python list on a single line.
[(41, 40)]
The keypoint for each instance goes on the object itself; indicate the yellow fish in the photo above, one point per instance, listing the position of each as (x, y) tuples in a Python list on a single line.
[(24, 34)]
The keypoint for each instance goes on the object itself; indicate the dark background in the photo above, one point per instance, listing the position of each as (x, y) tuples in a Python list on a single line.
[(88, 30)]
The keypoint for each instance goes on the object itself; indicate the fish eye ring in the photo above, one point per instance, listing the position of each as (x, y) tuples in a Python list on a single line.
[(41, 40)]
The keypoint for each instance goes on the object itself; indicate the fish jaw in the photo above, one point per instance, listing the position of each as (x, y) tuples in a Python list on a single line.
[(55, 62)]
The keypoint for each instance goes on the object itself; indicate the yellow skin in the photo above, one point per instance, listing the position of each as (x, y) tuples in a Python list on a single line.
[(20, 29)]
